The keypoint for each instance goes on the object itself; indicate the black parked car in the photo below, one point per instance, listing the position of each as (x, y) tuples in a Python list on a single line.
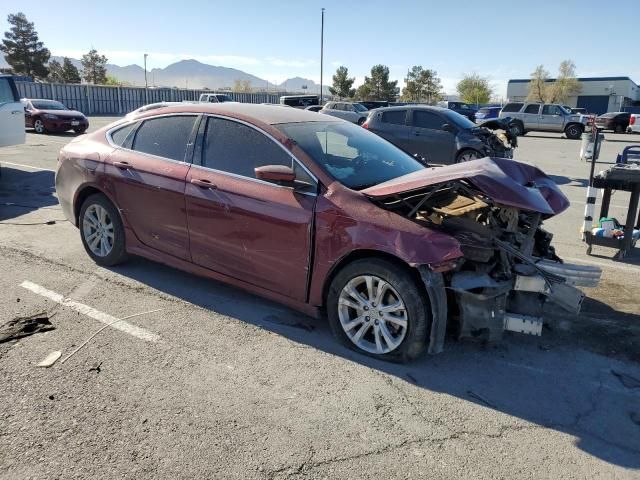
[(462, 108), (439, 135), (616, 121)]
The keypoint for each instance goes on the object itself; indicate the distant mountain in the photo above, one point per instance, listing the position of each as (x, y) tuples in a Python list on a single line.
[(296, 84), (194, 74)]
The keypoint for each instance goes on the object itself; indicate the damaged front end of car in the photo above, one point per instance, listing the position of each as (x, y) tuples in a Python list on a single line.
[(498, 136), (509, 270)]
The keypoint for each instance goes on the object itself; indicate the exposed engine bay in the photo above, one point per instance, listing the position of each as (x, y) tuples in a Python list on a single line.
[(509, 269), (498, 137)]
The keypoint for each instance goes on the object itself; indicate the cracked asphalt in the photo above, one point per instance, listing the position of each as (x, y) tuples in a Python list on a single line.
[(239, 387)]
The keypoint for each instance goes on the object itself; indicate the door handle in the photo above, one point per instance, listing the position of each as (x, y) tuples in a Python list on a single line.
[(203, 183), (122, 165)]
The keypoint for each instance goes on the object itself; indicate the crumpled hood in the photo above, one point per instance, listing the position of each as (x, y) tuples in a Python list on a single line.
[(506, 182), (63, 113)]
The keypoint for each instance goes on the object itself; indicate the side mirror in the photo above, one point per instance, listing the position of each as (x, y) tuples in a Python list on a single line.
[(279, 174), (447, 127)]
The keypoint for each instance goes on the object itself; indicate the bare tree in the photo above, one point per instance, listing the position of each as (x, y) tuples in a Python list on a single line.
[(538, 85), (565, 85)]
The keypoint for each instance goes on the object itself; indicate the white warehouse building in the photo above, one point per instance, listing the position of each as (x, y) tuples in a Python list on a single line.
[(598, 94)]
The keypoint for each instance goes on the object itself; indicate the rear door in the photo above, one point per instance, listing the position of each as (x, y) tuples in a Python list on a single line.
[(148, 174), (531, 116), (12, 130), (255, 231), (392, 126), (428, 139), (552, 118)]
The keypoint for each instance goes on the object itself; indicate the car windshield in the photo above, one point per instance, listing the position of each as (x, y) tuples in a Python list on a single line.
[(359, 107), (48, 105), (566, 110), (352, 155)]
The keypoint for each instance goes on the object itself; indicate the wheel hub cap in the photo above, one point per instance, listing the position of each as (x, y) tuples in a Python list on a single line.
[(97, 229), (372, 314)]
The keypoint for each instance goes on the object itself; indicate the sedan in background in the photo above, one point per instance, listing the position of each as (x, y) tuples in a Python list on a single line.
[(487, 113), (51, 116), (437, 135), (349, 111), (616, 121), (321, 215)]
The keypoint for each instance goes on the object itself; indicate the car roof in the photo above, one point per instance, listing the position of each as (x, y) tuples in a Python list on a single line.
[(414, 107), (269, 114)]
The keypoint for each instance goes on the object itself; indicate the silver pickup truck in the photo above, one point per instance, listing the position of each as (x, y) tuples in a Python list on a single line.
[(538, 117)]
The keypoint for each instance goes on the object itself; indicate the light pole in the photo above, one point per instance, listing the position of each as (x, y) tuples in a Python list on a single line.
[(321, 54), (146, 85)]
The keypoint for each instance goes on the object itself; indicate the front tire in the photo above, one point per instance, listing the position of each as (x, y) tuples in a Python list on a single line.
[(38, 126), (517, 129), (468, 155), (101, 231), (377, 308), (79, 131)]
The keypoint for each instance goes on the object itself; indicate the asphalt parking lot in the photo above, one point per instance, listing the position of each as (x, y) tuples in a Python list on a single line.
[(201, 380)]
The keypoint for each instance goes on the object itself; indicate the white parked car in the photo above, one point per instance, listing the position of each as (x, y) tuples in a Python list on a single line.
[(634, 123), (215, 98), (12, 130), (352, 112)]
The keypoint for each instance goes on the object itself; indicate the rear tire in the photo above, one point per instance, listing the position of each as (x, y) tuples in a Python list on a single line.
[(361, 121), (102, 231), (573, 131), (394, 329), (79, 131)]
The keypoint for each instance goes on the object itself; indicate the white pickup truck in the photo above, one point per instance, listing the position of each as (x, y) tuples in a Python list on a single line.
[(215, 98), (12, 131)]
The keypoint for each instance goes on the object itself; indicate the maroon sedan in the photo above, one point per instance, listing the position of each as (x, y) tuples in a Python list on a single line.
[(52, 116), (326, 217)]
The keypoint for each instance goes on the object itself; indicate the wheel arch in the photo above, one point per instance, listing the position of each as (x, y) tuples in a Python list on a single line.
[(85, 192), (361, 254)]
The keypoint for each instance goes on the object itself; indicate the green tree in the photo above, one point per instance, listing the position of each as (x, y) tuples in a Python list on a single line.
[(70, 73), (538, 85), (422, 85), (363, 92), (565, 85), (56, 74), (378, 85), (342, 84), (474, 89), (94, 67), (23, 50)]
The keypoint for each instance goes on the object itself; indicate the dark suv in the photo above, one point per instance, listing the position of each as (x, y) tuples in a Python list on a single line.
[(438, 135)]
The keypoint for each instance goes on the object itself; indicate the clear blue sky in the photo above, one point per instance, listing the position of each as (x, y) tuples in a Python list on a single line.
[(281, 39)]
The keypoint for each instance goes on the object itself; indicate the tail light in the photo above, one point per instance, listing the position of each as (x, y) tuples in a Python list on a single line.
[(632, 120)]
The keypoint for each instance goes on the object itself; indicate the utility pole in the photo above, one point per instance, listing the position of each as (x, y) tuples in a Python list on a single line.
[(321, 53), (146, 85)]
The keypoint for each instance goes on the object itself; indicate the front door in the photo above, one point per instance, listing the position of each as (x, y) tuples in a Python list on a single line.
[(246, 228), (11, 114), (149, 182), (428, 139)]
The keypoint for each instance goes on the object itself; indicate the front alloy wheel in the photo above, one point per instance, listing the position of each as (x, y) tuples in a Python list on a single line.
[(38, 126), (372, 314)]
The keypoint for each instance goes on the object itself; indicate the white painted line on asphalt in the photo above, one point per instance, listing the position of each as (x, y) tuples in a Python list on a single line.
[(2, 162), (118, 324)]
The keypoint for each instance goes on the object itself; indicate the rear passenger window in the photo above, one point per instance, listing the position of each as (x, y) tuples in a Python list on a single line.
[(165, 136), (532, 109), (512, 107), (397, 117), (422, 119), (120, 136), (237, 148)]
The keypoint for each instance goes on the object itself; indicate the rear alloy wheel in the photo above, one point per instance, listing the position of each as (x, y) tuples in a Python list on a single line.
[(375, 307), (573, 132), (38, 126), (467, 155), (102, 231)]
